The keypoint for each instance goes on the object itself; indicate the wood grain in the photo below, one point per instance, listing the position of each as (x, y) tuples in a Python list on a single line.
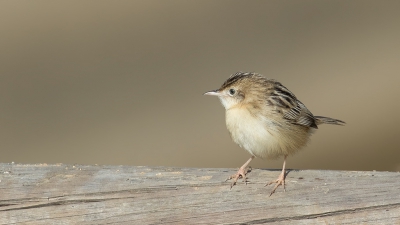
[(81, 194)]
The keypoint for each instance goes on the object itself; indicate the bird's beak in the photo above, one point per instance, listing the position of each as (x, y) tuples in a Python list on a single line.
[(213, 92)]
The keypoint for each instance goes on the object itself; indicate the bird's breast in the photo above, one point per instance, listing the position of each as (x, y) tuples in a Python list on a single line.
[(254, 133)]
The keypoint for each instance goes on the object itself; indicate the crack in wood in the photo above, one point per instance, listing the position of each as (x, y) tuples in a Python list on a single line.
[(64, 202), (317, 215)]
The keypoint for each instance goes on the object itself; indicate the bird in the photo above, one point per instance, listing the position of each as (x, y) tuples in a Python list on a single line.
[(266, 119)]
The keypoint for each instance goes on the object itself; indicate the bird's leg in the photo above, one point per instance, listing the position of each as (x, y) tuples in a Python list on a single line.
[(241, 173), (280, 180)]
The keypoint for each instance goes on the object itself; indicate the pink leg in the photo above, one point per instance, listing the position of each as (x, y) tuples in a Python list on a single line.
[(241, 173), (280, 180)]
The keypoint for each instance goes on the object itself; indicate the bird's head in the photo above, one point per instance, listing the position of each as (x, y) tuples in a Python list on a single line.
[(240, 88)]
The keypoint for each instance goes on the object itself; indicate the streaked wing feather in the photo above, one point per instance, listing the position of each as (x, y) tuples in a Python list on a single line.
[(292, 109)]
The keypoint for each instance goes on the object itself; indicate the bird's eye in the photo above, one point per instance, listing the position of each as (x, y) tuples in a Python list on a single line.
[(232, 91)]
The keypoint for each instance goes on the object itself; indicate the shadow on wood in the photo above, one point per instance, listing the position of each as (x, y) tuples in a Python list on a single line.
[(80, 194)]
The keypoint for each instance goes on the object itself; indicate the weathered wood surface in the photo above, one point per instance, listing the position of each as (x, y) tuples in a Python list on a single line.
[(80, 194)]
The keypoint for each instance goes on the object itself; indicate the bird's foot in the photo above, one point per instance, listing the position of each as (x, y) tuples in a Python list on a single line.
[(279, 181), (241, 173)]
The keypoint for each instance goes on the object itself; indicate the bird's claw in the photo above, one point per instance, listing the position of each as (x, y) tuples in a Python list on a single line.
[(241, 173), (279, 181)]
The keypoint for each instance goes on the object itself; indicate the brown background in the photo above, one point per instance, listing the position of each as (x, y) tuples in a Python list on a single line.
[(121, 82)]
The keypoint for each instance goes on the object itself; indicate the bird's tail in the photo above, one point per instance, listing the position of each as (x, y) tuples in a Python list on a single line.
[(327, 120)]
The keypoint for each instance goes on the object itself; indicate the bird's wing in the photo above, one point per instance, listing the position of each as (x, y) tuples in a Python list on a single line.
[(290, 107)]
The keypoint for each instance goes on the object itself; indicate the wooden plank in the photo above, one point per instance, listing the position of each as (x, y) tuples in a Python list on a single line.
[(81, 194)]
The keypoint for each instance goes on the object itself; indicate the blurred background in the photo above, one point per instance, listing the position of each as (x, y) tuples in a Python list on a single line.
[(121, 82)]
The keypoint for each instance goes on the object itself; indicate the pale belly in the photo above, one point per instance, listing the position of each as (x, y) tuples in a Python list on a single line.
[(264, 137)]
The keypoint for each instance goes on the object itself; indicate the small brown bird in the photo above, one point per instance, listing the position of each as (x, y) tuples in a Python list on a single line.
[(266, 119)]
